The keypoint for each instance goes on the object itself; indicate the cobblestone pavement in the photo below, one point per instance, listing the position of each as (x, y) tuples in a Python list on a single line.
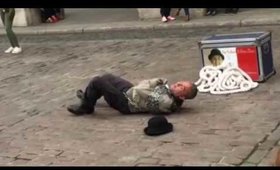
[(211, 130)]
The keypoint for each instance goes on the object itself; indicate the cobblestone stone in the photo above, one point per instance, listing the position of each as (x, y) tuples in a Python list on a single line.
[(242, 152), (231, 160), (20, 162), (42, 160), (6, 160), (270, 158), (257, 156), (11, 153), (248, 164), (26, 156), (147, 161)]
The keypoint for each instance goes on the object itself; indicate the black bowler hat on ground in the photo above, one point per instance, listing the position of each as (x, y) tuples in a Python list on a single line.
[(158, 125)]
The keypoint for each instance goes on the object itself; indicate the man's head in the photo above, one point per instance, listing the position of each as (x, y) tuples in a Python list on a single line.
[(184, 90)]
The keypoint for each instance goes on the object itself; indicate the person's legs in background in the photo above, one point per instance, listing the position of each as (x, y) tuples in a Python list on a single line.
[(211, 11), (187, 14), (62, 13), (2, 17), (169, 17), (50, 15), (177, 13), (165, 14), (59, 13), (9, 24), (208, 11), (43, 15), (10, 49), (7, 18)]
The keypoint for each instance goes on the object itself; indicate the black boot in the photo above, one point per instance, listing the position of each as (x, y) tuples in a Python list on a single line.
[(83, 107)]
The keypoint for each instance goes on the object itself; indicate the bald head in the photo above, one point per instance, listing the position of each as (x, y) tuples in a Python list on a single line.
[(184, 90)]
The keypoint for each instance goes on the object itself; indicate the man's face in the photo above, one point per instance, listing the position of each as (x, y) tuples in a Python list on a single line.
[(181, 89)]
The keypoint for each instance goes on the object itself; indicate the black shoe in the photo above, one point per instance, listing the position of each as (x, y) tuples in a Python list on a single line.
[(80, 109), (208, 13), (213, 13)]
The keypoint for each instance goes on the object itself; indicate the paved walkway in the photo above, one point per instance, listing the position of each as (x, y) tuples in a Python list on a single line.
[(36, 85), (92, 20)]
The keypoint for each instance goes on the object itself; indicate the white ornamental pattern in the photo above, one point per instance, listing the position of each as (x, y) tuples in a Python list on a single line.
[(224, 79)]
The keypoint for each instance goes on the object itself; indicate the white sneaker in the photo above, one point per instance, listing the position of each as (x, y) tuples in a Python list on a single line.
[(9, 50), (17, 50), (171, 18), (164, 19)]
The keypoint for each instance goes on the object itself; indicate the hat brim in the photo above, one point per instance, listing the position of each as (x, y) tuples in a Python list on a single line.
[(155, 132)]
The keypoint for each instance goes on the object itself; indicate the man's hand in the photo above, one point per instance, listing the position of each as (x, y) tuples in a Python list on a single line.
[(152, 83), (161, 81)]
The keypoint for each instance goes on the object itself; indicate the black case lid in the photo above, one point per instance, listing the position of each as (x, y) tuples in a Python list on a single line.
[(239, 37)]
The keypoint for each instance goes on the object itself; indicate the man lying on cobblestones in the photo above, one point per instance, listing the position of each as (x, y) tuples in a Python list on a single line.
[(152, 95)]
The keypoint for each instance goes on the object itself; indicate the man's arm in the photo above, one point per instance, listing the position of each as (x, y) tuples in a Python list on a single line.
[(162, 101), (170, 105), (152, 83)]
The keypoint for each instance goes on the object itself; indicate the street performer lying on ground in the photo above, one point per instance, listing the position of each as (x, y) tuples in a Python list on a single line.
[(153, 95)]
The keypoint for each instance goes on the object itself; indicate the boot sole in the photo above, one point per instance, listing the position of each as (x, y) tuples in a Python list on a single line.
[(77, 113)]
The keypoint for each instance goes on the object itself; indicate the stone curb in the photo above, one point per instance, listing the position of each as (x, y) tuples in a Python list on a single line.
[(89, 29)]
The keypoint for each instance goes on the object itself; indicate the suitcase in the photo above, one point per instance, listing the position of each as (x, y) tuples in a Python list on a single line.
[(252, 52)]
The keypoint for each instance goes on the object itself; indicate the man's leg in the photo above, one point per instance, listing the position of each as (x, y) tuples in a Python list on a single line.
[(8, 28), (177, 13), (109, 86), (112, 88), (115, 97), (88, 99), (187, 14), (2, 17), (118, 102), (165, 11), (186, 11), (9, 24), (162, 12)]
